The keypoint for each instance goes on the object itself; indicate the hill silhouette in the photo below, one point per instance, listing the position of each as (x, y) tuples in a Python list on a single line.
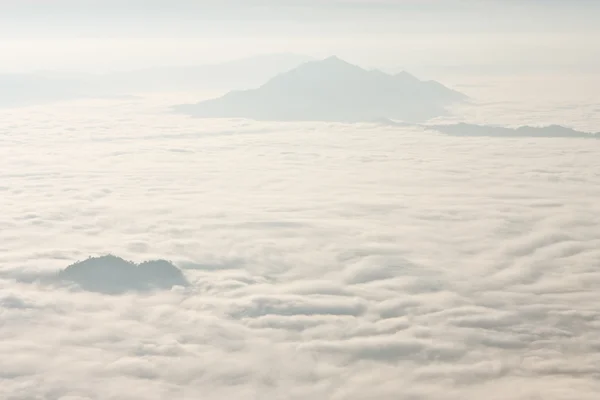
[(114, 275), (464, 129), (26, 89), (332, 90), (17, 90)]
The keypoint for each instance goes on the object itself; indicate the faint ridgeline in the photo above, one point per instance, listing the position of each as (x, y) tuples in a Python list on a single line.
[(113, 275), (550, 131), (39, 88), (18, 90), (332, 90)]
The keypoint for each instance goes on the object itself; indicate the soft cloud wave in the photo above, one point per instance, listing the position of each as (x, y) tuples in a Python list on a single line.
[(325, 260)]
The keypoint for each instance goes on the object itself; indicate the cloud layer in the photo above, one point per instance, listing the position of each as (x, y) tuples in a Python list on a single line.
[(326, 261)]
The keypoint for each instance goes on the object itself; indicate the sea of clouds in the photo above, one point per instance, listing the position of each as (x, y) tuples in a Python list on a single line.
[(326, 261)]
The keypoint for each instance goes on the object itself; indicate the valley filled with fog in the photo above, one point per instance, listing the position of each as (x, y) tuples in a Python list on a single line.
[(322, 260)]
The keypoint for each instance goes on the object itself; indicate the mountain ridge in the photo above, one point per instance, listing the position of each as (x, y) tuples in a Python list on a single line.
[(524, 131), (332, 90), (43, 87)]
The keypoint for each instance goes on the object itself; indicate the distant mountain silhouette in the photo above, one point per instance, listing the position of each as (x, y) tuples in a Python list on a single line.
[(22, 90), (245, 72), (113, 275), (463, 129), (17, 90), (332, 90)]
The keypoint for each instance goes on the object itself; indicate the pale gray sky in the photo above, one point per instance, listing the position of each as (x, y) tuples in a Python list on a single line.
[(111, 34)]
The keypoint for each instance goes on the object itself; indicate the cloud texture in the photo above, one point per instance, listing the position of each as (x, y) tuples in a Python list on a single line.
[(326, 261)]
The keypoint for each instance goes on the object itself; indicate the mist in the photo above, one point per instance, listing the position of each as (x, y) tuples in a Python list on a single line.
[(110, 35), (299, 199)]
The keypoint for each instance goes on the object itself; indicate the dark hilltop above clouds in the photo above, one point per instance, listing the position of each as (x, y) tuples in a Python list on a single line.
[(332, 90), (113, 275)]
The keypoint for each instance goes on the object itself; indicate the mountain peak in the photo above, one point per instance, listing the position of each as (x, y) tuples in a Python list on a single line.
[(406, 76), (332, 90), (335, 60), (332, 67)]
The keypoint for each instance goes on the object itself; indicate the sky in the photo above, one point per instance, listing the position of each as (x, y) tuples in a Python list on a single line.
[(113, 35)]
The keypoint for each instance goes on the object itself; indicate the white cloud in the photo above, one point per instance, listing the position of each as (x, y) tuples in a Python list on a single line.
[(326, 261)]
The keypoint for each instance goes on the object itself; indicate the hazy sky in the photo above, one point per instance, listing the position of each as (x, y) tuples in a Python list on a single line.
[(105, 35)]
